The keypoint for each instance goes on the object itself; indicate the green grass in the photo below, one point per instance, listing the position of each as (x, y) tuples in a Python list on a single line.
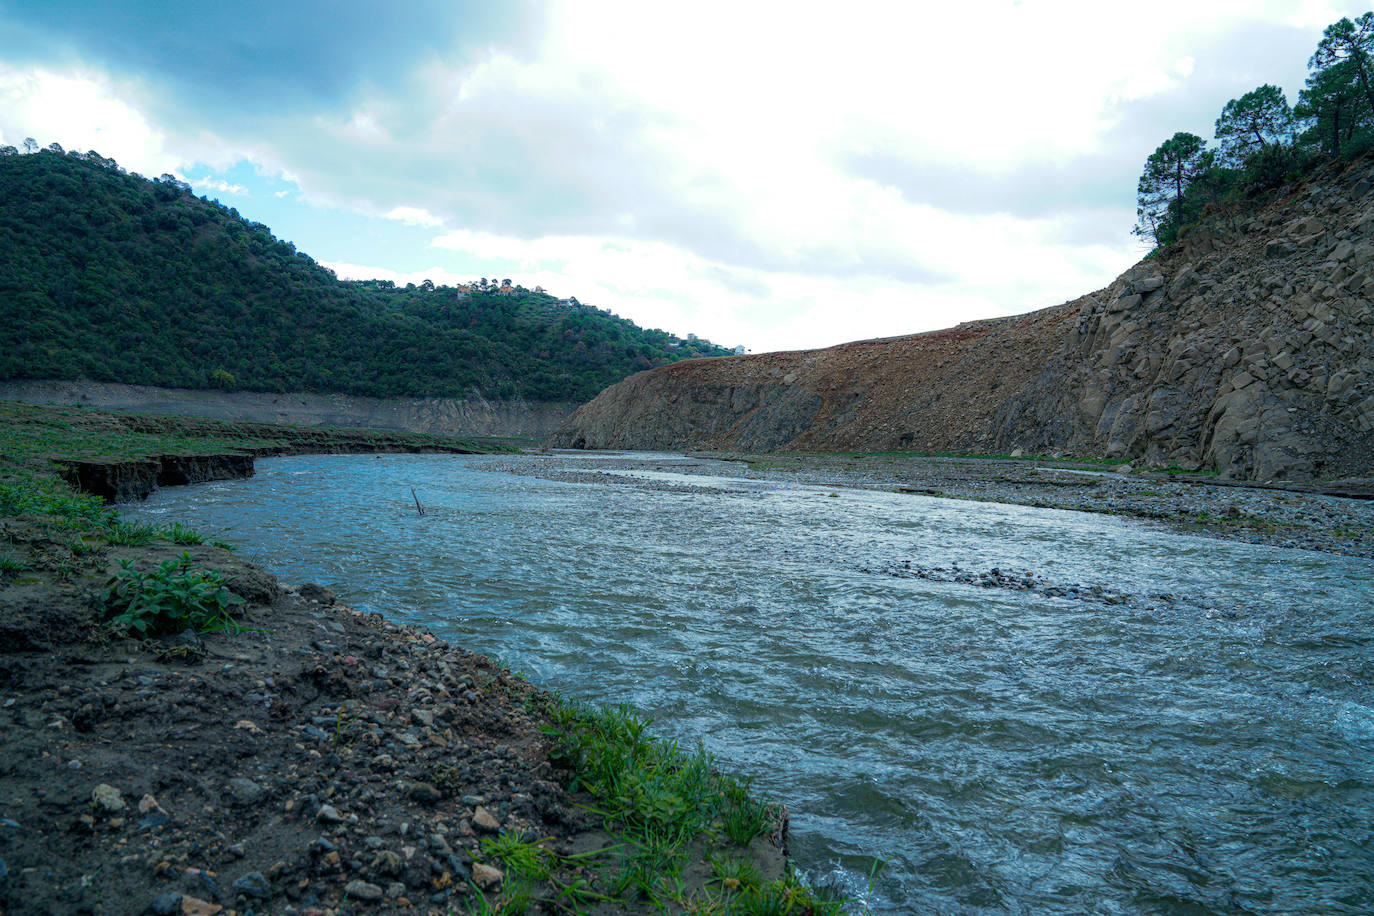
[(664, 805)]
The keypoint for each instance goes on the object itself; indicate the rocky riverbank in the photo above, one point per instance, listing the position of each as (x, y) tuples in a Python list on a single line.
[(290, 754), (321, 761), (1301, 517)]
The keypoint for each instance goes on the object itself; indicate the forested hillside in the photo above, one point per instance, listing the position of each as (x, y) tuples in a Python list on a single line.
[(113, 277)]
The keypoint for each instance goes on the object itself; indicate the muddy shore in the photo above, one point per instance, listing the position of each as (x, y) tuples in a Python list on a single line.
[(1290, 518)]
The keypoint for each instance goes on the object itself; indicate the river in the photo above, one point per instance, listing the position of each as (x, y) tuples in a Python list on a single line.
[(1149, 723)]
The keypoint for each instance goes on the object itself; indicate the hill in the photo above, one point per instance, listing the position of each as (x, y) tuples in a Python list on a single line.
[(112, 277), (1244, 348)]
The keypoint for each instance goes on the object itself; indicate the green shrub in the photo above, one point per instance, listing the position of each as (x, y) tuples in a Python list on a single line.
[(174, 597)]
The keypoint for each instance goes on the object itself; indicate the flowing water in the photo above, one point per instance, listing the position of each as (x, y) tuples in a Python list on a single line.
[(1195, 735)]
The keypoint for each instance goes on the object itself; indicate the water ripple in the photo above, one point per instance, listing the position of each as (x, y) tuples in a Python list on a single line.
[(1205, 745)]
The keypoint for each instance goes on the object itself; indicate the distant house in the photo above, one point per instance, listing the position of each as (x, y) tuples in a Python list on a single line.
[(539, 290), (691, 337), (740, 350)]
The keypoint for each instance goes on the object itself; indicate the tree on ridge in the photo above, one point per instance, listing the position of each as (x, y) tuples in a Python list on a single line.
[(1169, 171)]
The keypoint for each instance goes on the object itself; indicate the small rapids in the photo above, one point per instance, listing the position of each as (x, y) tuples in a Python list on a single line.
[(968, 708)]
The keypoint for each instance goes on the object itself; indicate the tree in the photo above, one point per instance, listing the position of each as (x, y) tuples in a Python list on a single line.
[(1169, 171), (30, 145), (1254, 122), (1349, 41), (1333, 105)]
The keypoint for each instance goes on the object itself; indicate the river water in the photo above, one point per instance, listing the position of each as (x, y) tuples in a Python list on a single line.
[(1160, 724)]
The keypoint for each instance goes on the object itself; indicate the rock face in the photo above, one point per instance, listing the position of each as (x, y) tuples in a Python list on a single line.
[(1248, 347), (474, 416)]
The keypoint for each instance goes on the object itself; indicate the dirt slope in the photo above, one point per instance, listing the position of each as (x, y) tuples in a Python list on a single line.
[(1245, 348)]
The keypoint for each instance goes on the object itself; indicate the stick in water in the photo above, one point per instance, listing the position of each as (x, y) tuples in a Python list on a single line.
[(418, 508)]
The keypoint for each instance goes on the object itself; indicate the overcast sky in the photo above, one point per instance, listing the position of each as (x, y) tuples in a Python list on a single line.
[(775, 175)]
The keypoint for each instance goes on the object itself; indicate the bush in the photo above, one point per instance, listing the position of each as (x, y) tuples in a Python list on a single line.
[(174, 597)]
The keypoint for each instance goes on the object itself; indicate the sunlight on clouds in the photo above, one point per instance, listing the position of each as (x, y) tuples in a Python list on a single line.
[(81, 111), (414, 216), (779, 175), (216, 184)]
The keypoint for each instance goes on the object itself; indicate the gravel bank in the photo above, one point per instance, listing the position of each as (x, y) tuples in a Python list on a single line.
[(325, 762), (1281, 518)]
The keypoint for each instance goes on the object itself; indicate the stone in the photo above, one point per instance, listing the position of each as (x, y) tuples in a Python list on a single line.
[(194, 906), (362, 890), (1122, 304), (425, 793), (329, 815), (387, 862), (487, 877), (254, 884), (1147, 284), (167, 904), (482, 819), (245, 792), (108, 799), (1342, 251), (312, 592)]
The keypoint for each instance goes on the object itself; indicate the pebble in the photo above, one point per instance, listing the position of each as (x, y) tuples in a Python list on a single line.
[(166, 904), (246, 792), (108, 799), (483, 820), (194, 906), (362, 890), (329, 815), (487, 877), (254, 884), (425, 793)]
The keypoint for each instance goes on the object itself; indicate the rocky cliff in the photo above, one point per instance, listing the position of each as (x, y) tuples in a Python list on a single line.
[(1246, 348)]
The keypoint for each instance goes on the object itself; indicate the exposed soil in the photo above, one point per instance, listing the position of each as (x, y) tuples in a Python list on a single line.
[(325, 761)]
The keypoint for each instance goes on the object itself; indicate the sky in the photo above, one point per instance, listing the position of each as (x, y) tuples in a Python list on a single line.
[(774, 175)]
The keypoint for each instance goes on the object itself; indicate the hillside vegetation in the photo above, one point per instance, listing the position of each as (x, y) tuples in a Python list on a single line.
[(113, 277)]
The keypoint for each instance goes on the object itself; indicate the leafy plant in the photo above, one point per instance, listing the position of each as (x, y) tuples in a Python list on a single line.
[(171, 598), (131, 534), (178, 533)]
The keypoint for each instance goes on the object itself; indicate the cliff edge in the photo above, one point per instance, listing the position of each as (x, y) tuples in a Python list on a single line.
[(1243, 348)]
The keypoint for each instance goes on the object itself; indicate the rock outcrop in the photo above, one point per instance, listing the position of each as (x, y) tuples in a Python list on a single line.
[(1245, 348)]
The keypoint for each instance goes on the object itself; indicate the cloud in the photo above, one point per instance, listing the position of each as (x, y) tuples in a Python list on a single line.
[(414, 216), (81, 111), (216, 184), (768, 174), (290, 56)]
